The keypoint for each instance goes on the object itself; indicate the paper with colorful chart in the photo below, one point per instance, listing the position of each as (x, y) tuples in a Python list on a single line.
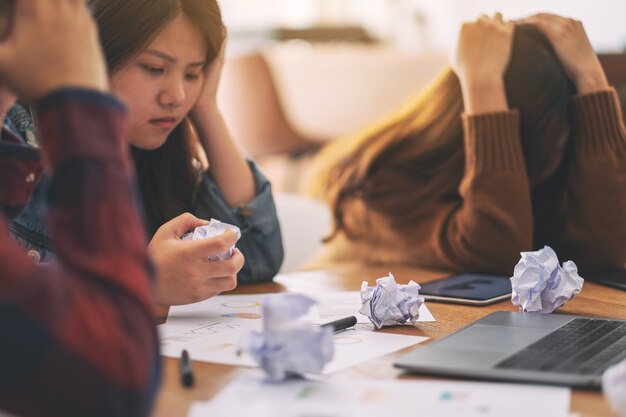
[(212, 330), (375, 398)]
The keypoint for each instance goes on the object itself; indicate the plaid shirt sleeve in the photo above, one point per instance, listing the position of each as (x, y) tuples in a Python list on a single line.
[(78, 335)]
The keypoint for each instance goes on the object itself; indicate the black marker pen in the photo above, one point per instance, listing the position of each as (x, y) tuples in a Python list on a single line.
[(186, 373), (341, 324)]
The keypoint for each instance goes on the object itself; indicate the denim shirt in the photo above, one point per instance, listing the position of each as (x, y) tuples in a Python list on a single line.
[(260, 243), (28, 227)]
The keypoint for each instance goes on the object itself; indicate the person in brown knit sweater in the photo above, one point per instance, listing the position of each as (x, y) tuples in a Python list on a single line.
[(519, 144)]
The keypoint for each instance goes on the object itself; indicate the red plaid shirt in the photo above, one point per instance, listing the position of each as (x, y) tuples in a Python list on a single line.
[(78, 335)]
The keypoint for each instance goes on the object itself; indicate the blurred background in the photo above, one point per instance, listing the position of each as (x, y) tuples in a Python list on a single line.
[(300, 73), (416, 24)]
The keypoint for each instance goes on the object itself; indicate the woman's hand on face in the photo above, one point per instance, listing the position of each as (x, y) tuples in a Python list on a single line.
[(573, 49), (212, 75), (480, 59), (184, 273)]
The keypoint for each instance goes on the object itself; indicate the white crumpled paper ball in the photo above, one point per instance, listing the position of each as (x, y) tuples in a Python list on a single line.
[(390, 304), (539, 284), (214, 228), (614, 387), (289, 343)]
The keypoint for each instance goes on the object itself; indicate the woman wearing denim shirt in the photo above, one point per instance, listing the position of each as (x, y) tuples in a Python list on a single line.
[(151, 69)]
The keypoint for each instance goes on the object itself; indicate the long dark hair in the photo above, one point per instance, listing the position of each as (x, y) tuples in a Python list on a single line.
[(420, 148), (166, 175)]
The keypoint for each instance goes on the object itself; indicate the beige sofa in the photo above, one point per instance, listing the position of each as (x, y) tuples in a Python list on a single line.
[(285, 101)]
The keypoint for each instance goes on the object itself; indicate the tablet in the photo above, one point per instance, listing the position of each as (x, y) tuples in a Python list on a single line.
[(473, 289)]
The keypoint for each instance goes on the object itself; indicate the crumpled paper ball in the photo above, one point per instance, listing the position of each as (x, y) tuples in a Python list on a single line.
[(614, 387), (289, 343), (390, 304), (539, 284), (214, 228)]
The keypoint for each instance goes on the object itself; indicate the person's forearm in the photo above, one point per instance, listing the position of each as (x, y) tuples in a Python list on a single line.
[(226, 164), (595, 231), (91, 210), (494, 222), (87, 319)]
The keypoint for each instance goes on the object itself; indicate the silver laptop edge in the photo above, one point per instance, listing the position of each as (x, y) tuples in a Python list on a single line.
[(473, 351)]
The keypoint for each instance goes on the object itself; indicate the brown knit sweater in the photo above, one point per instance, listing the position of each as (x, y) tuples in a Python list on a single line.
[(492, 219)]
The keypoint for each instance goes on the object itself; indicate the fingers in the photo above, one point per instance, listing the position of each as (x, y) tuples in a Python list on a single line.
[(213, 278), (203, 289), (203, 248), (182, 224), (212, 287), (551, 23), (497, 18), (216, 286), (544, 17), (480, 59), (59, 36), (207, 270), (24, 16)]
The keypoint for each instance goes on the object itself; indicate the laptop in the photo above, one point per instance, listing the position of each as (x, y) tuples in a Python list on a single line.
[(525, 347)]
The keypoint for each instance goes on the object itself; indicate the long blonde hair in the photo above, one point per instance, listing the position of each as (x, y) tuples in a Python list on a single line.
[(411, 146)]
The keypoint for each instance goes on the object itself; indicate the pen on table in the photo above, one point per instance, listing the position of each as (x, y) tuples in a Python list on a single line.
[(186, 373), (341, 324)]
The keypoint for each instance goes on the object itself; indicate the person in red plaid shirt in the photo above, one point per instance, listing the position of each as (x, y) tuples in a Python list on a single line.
[(78, 335)]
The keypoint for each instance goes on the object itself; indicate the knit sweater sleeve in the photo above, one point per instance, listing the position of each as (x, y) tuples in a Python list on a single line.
[(595, 223), (492, 223)]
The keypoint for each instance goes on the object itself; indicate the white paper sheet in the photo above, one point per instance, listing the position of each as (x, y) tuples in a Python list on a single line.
[(369, 398), (247, 308), (212, 330), (338, 304), (218, 343), (335, 305)]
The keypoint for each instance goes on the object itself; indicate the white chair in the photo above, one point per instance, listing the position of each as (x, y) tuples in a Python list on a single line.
[(304, 222)]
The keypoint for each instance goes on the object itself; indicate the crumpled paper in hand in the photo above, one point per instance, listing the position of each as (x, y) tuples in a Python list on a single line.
[(390, 304), (614, 387), (539, 284), (289, 343), (214, 228)]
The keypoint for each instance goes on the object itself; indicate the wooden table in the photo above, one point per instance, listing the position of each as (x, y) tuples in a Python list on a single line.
[(174, 400)]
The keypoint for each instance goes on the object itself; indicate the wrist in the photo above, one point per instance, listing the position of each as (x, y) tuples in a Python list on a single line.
[(588, 82), (484, 96)]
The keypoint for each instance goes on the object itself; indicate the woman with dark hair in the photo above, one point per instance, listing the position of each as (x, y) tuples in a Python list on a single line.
[(164, 59), (495, 158)]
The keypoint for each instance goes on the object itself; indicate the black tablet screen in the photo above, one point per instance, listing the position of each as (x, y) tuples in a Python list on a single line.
[(477, 287)]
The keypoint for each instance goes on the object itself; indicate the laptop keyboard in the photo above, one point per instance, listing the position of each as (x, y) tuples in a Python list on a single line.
[(582, 346)]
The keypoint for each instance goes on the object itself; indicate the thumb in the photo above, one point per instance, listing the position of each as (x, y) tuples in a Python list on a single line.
[(213, 245), (182, 224)]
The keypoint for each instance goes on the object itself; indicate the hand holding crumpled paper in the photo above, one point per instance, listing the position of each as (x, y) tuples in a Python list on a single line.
[(214, 228), (539, 284), (614, 387), (390, 304), (289, 343)]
